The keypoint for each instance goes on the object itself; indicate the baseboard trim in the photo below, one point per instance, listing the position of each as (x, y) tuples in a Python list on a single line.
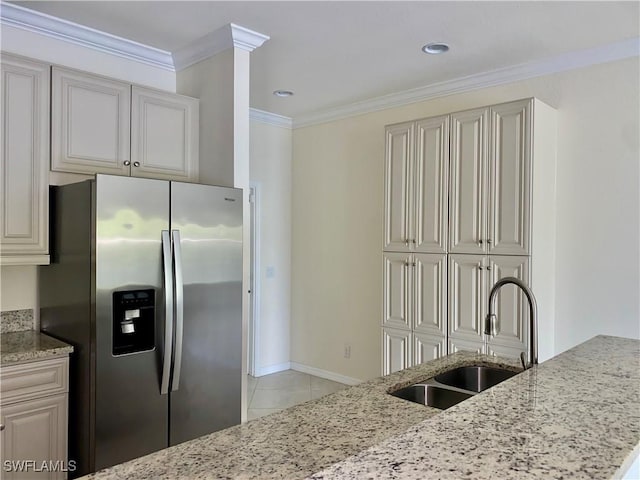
[(268, 370), (336, 377)]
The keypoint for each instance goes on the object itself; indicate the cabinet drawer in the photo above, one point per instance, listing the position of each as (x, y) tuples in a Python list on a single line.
[(31, 380)]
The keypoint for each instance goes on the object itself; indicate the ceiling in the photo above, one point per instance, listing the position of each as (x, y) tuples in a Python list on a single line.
[(333, 53)]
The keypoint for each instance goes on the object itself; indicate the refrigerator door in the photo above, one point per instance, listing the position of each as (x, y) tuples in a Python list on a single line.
[(131, 416), (205, 394)]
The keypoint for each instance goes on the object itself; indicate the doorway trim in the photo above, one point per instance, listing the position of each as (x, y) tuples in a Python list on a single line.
[(253, 352)]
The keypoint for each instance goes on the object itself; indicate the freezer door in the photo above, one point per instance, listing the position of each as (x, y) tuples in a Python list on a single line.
[(207, 396), (131, 417)]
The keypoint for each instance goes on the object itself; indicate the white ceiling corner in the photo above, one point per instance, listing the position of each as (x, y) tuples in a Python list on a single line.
[(556, 64), (207, 46), (54, 27)]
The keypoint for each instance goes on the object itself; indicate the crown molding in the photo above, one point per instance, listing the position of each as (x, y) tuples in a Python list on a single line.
[(228, 36), (43, 24), (270, 118), (556, 64)]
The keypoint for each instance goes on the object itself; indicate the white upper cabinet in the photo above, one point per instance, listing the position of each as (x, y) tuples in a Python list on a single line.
[(467, 208), (24, 197), (416, 171), (510, 178), (429, 226), (396, 300), (398, 159), (429, 281), (164, 135), (90, 123), (101, 125)]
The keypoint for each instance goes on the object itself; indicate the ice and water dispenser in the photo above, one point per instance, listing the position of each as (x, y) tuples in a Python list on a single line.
[(133, 321)]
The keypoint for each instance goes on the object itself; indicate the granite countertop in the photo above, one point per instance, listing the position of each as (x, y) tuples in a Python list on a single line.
[(574, 416), (30, 345)]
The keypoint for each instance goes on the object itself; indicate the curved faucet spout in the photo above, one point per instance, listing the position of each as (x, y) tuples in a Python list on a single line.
[(491, 327)]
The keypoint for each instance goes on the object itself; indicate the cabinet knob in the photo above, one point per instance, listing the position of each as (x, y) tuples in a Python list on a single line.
[(127, 163), (489, 267), (1, 427), (406, 242), (480, 242), (136, 164), (481, 267), (488, 240)]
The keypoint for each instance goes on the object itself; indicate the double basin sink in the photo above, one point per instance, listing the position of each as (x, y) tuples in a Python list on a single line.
[(454, 386)]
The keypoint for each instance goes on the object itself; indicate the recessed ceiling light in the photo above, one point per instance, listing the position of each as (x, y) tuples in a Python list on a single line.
[(435, 48), (283, 93)]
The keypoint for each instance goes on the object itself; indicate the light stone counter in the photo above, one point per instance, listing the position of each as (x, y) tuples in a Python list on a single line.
[(576, 416), (30, 345)]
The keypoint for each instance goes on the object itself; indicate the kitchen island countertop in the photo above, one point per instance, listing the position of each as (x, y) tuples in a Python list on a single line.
[(575, 416)]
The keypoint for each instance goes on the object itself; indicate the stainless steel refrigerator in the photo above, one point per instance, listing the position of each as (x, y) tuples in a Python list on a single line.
[(146, 283)]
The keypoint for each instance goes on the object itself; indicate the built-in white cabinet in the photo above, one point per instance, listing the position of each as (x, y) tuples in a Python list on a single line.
[(396, 350), (416, 164), (463, 186), (33, 419), (415, 302), (471, 278), (164, 135), (101, 125), (24, 195)]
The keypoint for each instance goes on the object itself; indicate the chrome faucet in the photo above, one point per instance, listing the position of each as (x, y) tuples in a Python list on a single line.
[(491, 326)]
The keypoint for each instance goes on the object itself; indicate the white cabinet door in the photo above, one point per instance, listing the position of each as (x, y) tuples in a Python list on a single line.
[(164, 135), (428, 230), (430, 297), (510, 178), (24, 197), (35, 430), (512, 308), (467, 297), (396, 350), (398, 160), (427, 347), (457, 345), (397, 290), (468, 164), (89, 123)]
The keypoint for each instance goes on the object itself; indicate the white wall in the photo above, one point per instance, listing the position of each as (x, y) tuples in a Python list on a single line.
[(338, 213), (271, 173)]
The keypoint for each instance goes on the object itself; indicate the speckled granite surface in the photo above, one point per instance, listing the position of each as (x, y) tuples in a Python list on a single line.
[(16, 320), (30, 345), (576, 416), (301, 440)]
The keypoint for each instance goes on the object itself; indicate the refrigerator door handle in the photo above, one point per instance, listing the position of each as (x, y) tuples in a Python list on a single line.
[(179, 295), (168, 312)]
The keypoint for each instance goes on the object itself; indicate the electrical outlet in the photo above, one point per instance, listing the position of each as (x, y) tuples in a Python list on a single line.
[(347, 350)]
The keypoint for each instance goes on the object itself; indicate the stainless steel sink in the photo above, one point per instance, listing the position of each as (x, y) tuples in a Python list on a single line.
[(475, 379), (432, 395)]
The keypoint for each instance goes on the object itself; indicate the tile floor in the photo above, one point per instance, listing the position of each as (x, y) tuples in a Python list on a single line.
[(281, 390)]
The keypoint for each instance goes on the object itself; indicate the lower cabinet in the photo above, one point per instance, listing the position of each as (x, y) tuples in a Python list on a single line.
[(33, 418)]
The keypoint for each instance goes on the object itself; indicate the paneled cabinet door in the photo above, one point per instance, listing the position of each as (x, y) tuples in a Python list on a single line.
[(427, 347), (510, 178), (396, 350), (468, 165), (457, 345), (399, 152), (24, 195), (89, 123), (396, 303), (429, 278), (467, 297), (35, 430), (164, 135), (512, 309), (428, 229)]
